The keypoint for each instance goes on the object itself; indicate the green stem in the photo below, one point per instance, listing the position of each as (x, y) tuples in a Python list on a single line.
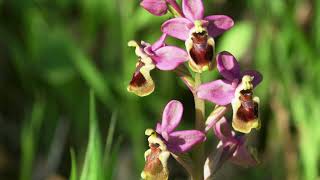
[(174, 10), (199, 106), (199, 151), (183, 72)]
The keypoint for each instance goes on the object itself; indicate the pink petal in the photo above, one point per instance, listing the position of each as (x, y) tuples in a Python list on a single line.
[(160, 43), (219, 91), (223, 131), (228, 66), (243, 157), (193, 9), (215, 116), (155, 7), (223, 153), (171, 116), (169, 57), (158, 128), (218, 24), (177, 27), (257, 77), (182, 141)]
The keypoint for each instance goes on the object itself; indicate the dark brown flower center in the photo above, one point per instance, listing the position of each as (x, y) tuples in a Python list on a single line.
[(138, 79), (201, 52), (248, 110), (153, 164)]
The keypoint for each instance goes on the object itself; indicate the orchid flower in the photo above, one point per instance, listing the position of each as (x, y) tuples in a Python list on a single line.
[(157, 55), (233, 144), (236, 88), (164, 140), (160, 7), (198, 32), (176, 141), (231, 147)]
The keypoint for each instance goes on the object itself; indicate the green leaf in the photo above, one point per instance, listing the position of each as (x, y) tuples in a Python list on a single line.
[(73, 175), (92, 168), (92, 76), (29, 134), (109, 140), (112, 163)]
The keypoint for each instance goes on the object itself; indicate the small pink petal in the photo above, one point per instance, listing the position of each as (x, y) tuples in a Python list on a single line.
[(158, 128), (219, 91), (224, 133), (177, 27), (165, 135), (215, 116), (160, 43), (193, 9), (223, 153), (183, 141), (257, 77), (243, 157), (218, 24), (228, 66), (169, 57), (155, 7), (171, 116)]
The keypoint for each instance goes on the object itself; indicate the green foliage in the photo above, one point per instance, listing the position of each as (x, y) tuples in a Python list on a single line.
[(29, 138), (92, 168), (98, 165), (238, 40), (73, 174)]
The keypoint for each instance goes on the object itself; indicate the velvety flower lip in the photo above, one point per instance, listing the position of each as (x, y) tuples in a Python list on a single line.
[(177, 141), (239, 153), (156, 158), (157, 55)]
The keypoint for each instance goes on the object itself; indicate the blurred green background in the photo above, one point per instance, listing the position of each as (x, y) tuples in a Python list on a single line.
[(53, 52)]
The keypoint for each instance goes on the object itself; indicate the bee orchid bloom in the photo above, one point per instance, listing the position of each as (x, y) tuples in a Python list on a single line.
[(176, 141), (157, 55), (198, 32), (236, 88), (233, 145)]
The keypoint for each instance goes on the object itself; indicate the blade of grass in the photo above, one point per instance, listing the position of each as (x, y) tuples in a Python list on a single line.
[(92, 168), (112, 164), (109, 140), (73, 174), (29, 134)]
